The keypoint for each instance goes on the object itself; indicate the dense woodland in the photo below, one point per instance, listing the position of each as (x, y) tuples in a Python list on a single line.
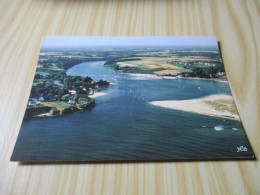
[(53, 84)]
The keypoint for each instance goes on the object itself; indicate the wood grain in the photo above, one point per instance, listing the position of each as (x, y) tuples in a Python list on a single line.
[(236, 23)]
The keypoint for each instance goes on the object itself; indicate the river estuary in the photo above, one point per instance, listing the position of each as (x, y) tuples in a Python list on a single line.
[(124, 126)]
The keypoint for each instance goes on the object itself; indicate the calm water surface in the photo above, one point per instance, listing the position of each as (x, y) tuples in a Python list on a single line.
[(123, 126)]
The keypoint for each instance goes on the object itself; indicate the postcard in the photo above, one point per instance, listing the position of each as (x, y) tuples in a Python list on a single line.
[(103, 99)]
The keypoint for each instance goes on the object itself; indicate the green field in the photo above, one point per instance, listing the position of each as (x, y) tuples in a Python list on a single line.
[(57, 104), (43, 73), (153, 65)]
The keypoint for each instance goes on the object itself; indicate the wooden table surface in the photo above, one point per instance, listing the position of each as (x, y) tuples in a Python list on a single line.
[(236, 23)]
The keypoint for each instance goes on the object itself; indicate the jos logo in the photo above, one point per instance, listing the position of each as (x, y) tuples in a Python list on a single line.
[(241, 149)]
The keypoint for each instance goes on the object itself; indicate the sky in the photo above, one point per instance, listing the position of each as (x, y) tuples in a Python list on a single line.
[(66, 41)]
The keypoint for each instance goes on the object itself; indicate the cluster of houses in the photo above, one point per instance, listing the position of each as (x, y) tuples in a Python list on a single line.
[(178, 76), (33, 101), (221, 74), (80, 101), (48, 83), (196, 63), (69, 98), (187, 63)]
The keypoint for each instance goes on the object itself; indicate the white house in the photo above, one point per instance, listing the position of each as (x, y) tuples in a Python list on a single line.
[(41, 99), (71, 102), (32, 103), (221, 73), (73, 91)]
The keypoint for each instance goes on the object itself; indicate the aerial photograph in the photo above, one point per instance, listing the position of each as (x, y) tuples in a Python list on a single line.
[(130, 99)]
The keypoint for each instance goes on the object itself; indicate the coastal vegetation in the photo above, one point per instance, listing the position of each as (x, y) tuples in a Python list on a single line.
[(200, 64), (55, 93), (223, 105)]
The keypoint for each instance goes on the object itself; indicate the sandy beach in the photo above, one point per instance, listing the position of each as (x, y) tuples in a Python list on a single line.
[(110, 83), (143, 76), (137, 76), (97, 94), (47, 114), (199, 106), (205, 79)]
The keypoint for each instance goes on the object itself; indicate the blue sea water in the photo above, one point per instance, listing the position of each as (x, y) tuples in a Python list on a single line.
[(124, 126)]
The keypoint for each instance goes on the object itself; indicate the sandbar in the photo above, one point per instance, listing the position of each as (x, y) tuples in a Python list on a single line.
[(199, 106)]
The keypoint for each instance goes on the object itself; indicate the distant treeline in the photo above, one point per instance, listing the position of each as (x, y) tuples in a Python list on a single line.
[(207, 72), (66, 62), (211, 55)]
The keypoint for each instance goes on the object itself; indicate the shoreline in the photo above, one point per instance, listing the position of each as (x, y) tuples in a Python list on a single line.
[(205, 79), (48, 112), (139, 76), (97, 94), (199, 106)]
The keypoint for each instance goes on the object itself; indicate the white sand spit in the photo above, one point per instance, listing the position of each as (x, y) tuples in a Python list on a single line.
[(198, 106)]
